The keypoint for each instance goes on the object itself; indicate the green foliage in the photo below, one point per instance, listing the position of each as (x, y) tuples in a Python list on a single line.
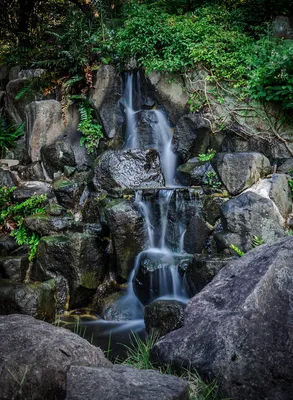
[(257, 241), (89, 127), (207, 156), (139, 357), (290, 183), (12, 217), (9, 133), (238, 251), (211, 179)]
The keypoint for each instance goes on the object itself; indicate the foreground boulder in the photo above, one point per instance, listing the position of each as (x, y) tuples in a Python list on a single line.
[(238, 329), (35, 357), (123, 383)]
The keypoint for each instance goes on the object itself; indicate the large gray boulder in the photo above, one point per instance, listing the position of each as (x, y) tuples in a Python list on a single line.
[(14, 267), (238, 329), (170, 93), (105, 94), (127, 169), (35, 357), (191, 136), (239, 171), (44, 125), (250, 214), (127, 231), (282, 27), (123, 383)]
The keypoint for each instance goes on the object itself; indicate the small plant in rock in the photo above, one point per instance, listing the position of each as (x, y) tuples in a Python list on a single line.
[(290, 183), (12, 217), (9, 133), (89, 127), (211, 179), (207, 156), (238, 251), (257, 241)]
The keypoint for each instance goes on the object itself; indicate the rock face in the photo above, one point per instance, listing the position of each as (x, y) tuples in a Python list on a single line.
[(282, 27), (238, 328), (127, 169), (16, 108), (7, 178), (127, 231), (44, 125), (123, 383), (35, 357), (191, 136), (170, 93), (35, 299), (239, 171), (163, 316), (248, 215), (105, 96), (194, 172)]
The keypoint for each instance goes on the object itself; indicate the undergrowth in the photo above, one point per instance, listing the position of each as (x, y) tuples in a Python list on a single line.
[(138, 356), (12, 218), (9, 133)]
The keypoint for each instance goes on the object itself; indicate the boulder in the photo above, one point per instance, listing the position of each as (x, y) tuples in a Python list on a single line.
[(127, 231), (16, 108), (170, 93), (237, 330), (239, 171), (14, 267), (25, 190), (286, 167), (191, 136), (52, 225), (44, 125), (196, 235), (77, 258), (123, 383), (69, 191), (127, 169), (31, 73), (31, 172), (35, 299), (8, 178), (7, 245), (35, 357), (193, 172), (105, 94), (163, 316), (250, 214), (201, 270)]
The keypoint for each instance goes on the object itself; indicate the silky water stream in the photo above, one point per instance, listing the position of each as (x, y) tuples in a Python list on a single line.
[(158, 271)]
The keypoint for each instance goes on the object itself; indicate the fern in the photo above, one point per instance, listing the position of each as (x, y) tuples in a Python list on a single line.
[(238, 251), (9, 133)]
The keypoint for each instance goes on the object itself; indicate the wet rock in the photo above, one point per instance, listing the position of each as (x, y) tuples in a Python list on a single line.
[(191, 136), (123, 383), (159, 274), (196, 235), (194, 172), (286, 167), (105, 95), (239, 171), (250, 214), (56, 156), (280, 193), (44, 125), (202, 270), (211, 208), (7, 245), (127, 231), (50, 225), (31, 172), (237, 329), (8, 178), (78, 258), (163, 316), (25, 190), (35, 299), (169, 92), (127, 169), (16, 108), (14, 267), (41, 359), (68, 191)]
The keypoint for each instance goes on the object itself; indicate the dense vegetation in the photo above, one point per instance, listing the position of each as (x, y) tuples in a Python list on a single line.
[(230, 38)]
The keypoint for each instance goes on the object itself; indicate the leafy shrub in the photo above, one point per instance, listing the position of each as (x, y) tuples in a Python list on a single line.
[(207, 156), (12, 217)]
